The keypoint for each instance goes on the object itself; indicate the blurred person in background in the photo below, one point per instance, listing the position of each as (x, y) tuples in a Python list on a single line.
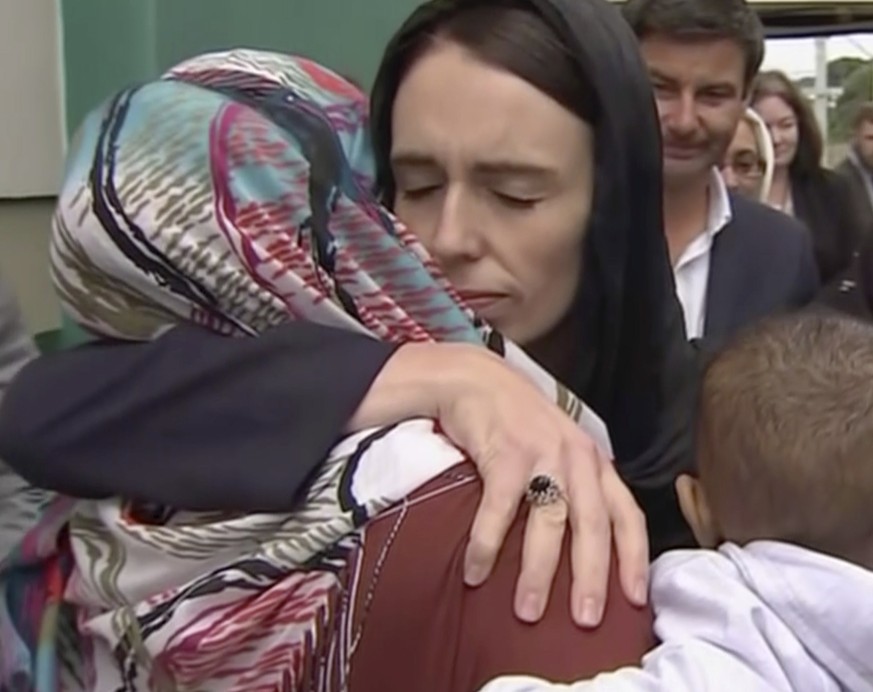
[(734, 260), (851, 291), (747, 167), (857, 167), (802, 186)]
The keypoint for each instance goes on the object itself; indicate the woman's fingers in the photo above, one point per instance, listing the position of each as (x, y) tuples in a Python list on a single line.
[(629, 533), (496, 512), (541, 553), (591, 543)]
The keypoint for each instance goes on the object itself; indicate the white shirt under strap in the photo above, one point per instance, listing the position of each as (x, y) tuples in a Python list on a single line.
[(692, 269)]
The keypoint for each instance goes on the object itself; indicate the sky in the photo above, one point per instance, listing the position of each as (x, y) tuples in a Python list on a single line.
[(796, 56)]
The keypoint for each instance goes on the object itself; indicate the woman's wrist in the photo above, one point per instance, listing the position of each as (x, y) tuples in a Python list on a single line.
[(414, 383)]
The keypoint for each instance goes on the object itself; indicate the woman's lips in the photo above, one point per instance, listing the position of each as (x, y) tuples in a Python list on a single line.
[(480, 300)]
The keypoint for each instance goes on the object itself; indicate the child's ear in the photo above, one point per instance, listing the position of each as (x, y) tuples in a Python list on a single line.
[(695, 509)]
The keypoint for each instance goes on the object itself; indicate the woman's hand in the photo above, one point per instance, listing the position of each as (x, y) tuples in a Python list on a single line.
[(512, 432)]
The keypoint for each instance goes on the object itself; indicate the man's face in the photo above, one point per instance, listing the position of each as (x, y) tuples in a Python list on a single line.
[(699, 89), (864, 142)]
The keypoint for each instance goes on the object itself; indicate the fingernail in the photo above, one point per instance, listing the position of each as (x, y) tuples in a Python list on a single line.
[(591, 613), (531, 608), (475, 574), (641, 593)]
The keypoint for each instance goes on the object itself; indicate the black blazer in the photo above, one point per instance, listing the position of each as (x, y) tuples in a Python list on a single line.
[(762, 262), (862, 208), (851, 292), (823, 202)]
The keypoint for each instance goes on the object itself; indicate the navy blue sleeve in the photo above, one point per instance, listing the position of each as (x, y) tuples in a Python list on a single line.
[(192, 420)]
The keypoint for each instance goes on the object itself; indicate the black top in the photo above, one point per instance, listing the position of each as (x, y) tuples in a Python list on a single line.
[(823, 202)]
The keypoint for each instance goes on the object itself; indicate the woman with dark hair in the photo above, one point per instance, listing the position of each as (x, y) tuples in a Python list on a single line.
[(534, 185), (802, 186)]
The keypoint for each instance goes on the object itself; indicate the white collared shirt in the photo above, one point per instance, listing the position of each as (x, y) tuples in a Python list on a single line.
[(691, 271)]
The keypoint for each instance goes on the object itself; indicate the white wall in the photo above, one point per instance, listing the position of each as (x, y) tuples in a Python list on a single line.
[(31, 98), (25, 226)]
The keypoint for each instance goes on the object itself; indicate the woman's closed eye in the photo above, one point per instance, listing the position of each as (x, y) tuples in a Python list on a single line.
[(516, 201), (419, 192)]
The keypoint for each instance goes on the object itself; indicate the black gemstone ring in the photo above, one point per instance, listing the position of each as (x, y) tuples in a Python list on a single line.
[(543, 490)]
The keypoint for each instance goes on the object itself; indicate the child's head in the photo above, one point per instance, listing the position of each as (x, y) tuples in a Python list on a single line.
[(785, 438)]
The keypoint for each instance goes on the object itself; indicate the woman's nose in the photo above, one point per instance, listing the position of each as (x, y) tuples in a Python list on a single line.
[(456, 238)]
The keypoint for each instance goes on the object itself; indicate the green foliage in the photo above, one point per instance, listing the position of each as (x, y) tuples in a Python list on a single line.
[(840, 70), (857, 89), (855, 77)]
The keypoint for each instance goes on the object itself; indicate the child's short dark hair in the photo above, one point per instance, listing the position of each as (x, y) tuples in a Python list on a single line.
[(785, 435)]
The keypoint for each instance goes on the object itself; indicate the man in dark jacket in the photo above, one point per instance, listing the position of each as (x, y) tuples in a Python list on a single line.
[(734, 260), (857, 168)]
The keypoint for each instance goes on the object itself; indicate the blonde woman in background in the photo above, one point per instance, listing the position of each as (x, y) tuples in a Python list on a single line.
[(748, 162)]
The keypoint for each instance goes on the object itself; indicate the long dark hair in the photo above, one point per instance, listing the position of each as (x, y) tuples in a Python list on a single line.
[(507, 35), (810, 143)]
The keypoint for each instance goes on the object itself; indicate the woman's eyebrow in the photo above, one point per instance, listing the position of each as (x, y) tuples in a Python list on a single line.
[(413, 159), (490, 168), (510, 168)]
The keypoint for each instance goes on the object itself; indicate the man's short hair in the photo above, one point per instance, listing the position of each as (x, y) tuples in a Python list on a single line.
[(785, 435), (701, 19), (863, 115)]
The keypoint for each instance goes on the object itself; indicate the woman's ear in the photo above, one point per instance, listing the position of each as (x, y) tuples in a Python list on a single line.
[(695, 509)]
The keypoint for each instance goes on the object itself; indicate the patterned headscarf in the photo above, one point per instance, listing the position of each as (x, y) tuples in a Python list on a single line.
[(235, 193)]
